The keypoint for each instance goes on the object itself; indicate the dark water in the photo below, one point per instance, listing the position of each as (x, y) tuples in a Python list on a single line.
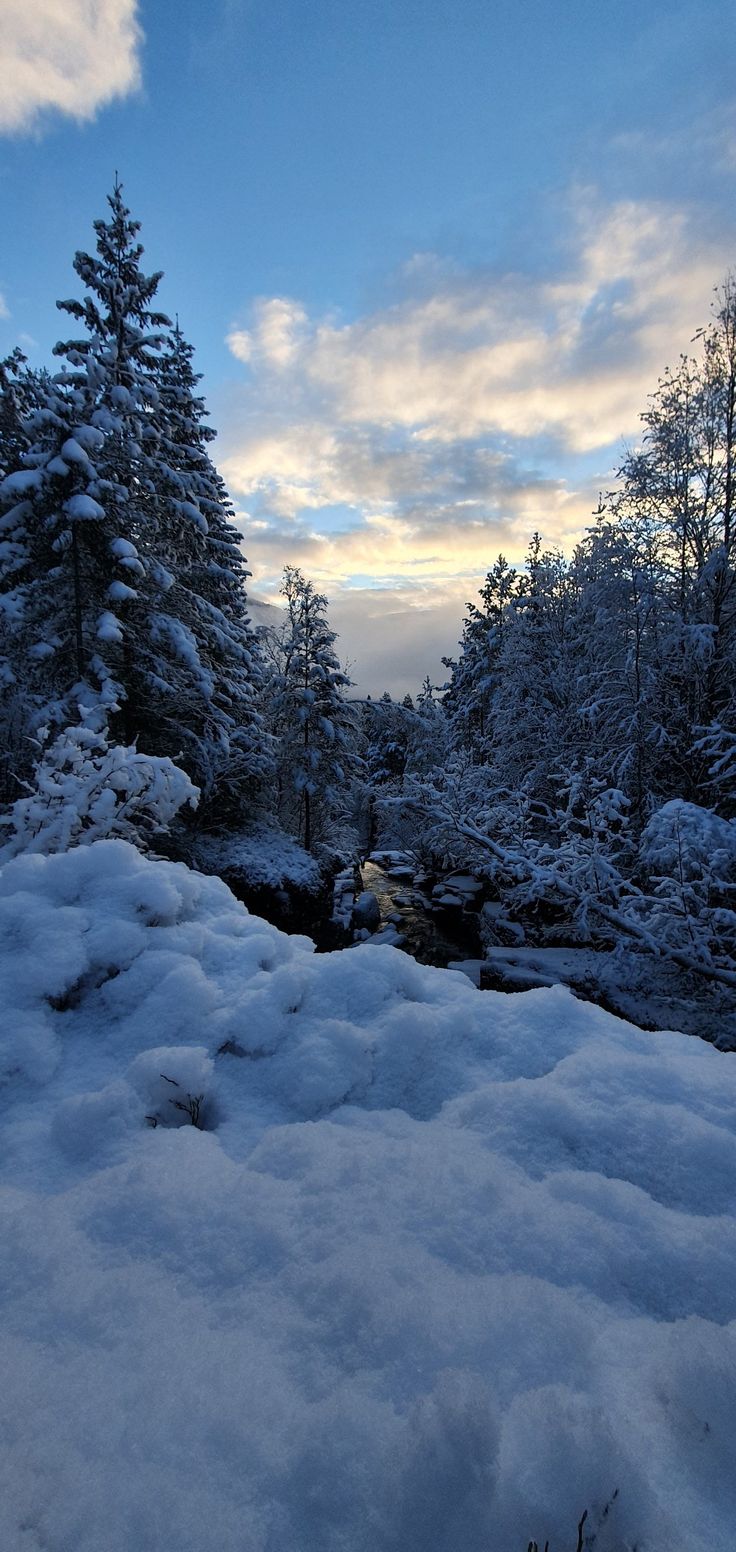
[(431, 938)]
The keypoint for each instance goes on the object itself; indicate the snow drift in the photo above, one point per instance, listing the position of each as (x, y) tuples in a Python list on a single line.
[(438, 1271)]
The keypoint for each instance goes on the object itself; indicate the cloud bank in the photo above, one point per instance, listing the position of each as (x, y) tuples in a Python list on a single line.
[(478, 354), (466, 392), (72, 56), (398, 452)]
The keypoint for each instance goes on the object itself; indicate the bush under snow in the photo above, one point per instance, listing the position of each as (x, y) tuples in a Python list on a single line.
[(690, 856), (440, 1270), (87, 789)]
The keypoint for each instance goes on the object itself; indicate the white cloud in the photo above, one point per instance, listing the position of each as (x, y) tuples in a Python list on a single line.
[(439, 389), (4, 309), (424, 547), (240, 342), (571, 356), (69, 55), (708, 143), (276, 335)]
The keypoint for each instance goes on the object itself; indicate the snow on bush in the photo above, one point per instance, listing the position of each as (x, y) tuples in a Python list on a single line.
[(690, 856), (88, 789), (442, 1269)]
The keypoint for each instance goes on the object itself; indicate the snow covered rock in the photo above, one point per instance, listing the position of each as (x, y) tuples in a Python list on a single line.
[(367, 911), (343, 899)]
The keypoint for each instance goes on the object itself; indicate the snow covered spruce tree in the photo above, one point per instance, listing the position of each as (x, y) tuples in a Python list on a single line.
[(20, 392), (474, 676), (386, 729), (311, 718), (207, 598), (536, 680), (111, 516), (623, 625)]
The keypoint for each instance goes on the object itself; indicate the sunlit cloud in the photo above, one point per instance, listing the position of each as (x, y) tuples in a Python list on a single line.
[(72, 56), (569, 356), (275, 335), (426, 545), (398, 586)]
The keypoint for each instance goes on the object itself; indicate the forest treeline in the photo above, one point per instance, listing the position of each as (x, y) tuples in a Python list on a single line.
[(582, 752)]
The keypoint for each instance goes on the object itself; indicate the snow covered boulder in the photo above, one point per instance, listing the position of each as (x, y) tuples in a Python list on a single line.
[(367, 911)]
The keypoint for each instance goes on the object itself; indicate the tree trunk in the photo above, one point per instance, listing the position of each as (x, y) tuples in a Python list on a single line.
[(78, 635), (307, 821)]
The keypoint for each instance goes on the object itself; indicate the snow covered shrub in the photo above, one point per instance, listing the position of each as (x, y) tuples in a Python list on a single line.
[(89, 790), (689, 855), (588, 864), (718, 744), (175, 1083)]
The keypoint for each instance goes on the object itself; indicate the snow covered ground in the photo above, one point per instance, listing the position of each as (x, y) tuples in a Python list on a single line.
[(634, 985), (443, 1269)]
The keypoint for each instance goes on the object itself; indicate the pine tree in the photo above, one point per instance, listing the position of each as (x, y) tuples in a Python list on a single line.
[(474, 677), (387, 733), (208, 593), (126, 585), (622, 633), (92, 570), (533, 719), (311, 716), (21, 390)]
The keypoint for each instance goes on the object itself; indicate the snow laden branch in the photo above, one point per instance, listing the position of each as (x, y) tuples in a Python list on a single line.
[(89, 790), (688, 856)]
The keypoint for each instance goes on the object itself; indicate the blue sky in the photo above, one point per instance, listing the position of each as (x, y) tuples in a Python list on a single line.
[(432, 256)]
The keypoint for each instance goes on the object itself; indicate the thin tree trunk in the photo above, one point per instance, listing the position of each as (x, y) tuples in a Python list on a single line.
[(78, 635), (307, 820)]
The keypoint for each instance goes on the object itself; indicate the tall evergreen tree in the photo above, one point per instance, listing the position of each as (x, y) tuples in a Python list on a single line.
[(474, 677), (20, 392), (312, 717), (128, 584), (534, 711), (93, 571), (208, 595)]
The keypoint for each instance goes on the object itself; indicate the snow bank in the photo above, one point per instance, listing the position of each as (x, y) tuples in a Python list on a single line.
[(441, 1270)]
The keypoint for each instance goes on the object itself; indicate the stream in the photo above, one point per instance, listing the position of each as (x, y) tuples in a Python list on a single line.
[(445, 936), (431, 937)]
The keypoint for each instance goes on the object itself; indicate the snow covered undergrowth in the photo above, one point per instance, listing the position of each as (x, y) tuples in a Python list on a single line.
[(442, 1270), (263, 857)]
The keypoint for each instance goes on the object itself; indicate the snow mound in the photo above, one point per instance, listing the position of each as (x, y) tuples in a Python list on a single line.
[(315, 1252), (262, 858)]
